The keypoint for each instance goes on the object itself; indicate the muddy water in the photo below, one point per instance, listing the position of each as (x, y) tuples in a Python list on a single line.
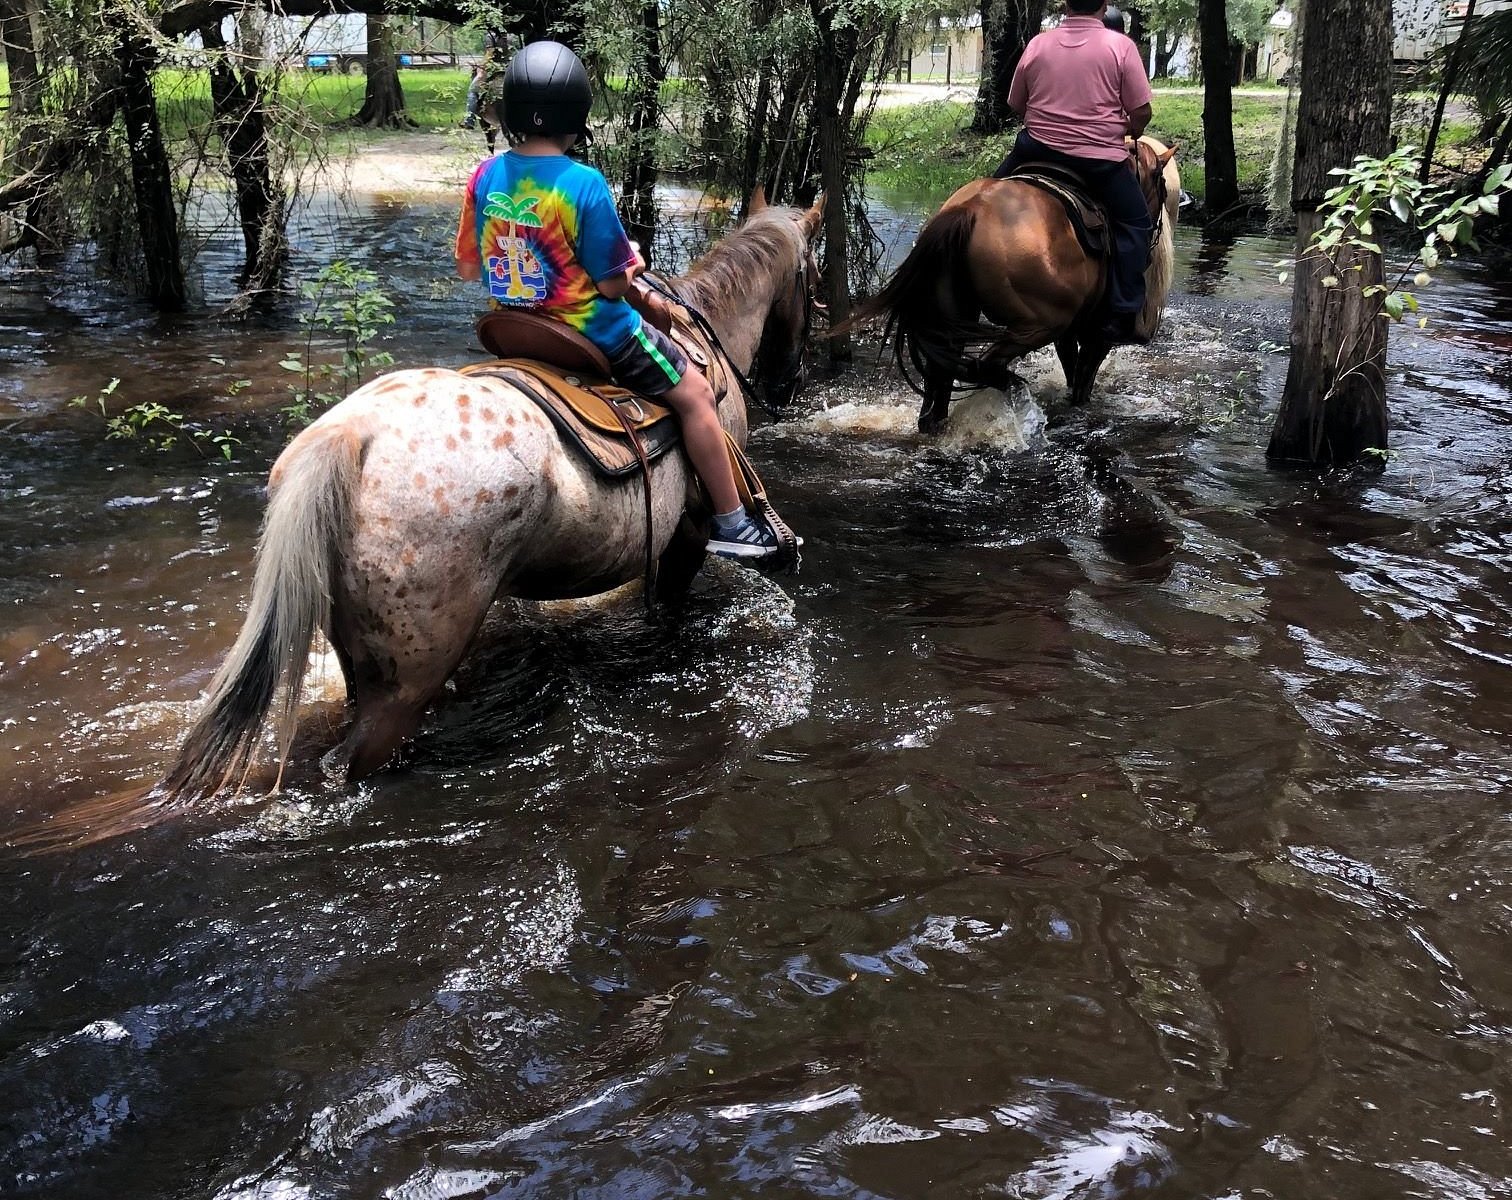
[(1099, 813)]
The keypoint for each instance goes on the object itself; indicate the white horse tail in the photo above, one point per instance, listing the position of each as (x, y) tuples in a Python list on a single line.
[(309, 520)]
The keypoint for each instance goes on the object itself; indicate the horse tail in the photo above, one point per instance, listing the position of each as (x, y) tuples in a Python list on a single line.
[(916, 300), (308, 522)]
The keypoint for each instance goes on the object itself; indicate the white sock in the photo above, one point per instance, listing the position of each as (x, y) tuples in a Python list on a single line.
[(729, 522)]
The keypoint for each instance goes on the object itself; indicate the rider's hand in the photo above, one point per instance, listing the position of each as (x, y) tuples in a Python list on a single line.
[(639, 265)]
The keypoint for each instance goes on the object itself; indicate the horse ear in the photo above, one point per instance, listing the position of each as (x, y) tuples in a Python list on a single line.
[(813, 217), (758, 201), (1162, 159)]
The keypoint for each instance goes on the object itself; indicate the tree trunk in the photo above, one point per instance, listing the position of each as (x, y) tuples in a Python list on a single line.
[(42, 226), (1451, 75), (836, 52), (643, 95), (1219, 165), (1165, 50), (750, 170), (151, 175), (1333, 408), (383, 99), (1007, 26), (241, 120)]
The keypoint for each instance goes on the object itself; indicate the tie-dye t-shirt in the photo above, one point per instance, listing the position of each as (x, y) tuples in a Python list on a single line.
[(541, 230)]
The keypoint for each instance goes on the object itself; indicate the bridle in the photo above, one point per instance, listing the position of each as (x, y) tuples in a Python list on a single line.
[(791, 375), (1156, 189)]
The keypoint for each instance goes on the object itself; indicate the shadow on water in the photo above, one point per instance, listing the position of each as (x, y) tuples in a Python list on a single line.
[(1100, 812)]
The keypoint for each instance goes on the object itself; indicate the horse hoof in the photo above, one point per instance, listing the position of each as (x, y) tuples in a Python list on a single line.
[(931, 426)]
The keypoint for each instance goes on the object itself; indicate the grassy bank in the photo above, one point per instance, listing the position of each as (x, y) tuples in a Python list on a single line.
[(923, 152), (434, 99)]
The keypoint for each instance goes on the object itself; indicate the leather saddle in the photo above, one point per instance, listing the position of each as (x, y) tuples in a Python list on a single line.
[(1087, 217), (569, 379)]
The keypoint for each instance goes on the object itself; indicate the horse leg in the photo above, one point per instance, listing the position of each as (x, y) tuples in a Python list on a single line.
[(1068, 350), (400, 662), (1089, 361), (935, 410), (681, 560)]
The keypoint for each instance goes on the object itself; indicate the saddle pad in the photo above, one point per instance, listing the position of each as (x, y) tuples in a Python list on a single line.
[(583, 416), (1088, 219)]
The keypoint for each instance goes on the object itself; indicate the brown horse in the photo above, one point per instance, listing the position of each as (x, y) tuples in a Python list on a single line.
[(397, 518), (1005, 250)]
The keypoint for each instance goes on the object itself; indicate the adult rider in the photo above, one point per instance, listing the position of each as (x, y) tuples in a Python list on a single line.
[(1081, 90)]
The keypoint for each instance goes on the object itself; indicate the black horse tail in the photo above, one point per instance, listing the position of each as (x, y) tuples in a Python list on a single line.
[(925, 296)]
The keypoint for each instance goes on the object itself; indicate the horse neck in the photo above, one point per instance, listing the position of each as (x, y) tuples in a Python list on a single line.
[(735, 290)]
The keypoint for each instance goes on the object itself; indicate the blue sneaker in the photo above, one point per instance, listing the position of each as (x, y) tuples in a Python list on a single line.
[(749, 539)]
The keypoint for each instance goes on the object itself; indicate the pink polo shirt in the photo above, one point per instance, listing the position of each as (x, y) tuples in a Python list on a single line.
[(1076, 84)]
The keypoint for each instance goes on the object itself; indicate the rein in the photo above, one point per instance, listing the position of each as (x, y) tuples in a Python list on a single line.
[(800, 284)]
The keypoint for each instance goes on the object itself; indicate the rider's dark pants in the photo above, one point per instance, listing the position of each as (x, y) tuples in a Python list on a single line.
[(1115, 186)]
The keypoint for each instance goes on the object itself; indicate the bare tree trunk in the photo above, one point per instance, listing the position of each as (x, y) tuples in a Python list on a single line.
[(383, 98), (1219, 165), (750, 170), (151, 175), (241, 121), (835, 52), (1333, 408), (1451, 74), (1007, 26), (42, 226), (643, 94)]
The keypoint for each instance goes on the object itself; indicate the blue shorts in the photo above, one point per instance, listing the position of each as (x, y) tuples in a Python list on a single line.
[(650, 363)]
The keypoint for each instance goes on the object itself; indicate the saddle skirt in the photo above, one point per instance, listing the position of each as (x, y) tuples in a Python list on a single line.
[(568, 378), (1087, 216)]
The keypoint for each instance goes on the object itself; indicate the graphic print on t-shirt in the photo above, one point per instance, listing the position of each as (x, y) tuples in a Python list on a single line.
[(514, 275)]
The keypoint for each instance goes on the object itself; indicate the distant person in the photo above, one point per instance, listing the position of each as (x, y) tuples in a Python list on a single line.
[(546, 229), (474, 98), (1082, 91)]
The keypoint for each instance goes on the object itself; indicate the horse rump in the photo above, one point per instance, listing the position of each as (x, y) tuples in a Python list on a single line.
[(929, 302)]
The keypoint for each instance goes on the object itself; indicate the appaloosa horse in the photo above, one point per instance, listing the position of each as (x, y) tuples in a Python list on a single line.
[(1005, 250), (397, 518)]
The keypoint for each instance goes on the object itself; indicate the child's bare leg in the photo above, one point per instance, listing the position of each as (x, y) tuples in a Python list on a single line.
[(692, 399)]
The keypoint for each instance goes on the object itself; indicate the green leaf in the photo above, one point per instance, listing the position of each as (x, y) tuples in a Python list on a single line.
[(1490, 204), (1401, 210), (1448, 231), (292, 364), (1497, 179), (1393, 305), (1430, 257)]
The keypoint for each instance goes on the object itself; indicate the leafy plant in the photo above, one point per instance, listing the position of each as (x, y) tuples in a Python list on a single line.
[(346, 301), (157, 425), (1441, 222)]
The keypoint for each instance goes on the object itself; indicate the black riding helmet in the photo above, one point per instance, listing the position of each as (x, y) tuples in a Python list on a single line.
[(546, 91), (1113, 18)]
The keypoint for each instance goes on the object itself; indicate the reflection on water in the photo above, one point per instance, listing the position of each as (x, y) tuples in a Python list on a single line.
[(1099, 813)]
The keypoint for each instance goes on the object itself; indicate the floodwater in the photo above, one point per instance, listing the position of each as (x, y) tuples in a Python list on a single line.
[(1100, 813)]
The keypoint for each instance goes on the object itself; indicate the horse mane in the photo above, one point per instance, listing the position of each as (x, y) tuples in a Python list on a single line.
[(1162, 270), (764, 242)]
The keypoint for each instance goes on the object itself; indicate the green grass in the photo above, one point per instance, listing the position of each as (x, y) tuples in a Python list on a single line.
[(434, 99), (923, 152)]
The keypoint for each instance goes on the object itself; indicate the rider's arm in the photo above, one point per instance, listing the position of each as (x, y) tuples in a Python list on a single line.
[(1138, 119), (1134, 87), (469, 264), (613, 287)]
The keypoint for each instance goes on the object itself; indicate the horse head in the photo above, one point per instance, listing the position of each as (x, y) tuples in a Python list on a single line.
[(755, 288), (1159, 178), (779, 364)]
